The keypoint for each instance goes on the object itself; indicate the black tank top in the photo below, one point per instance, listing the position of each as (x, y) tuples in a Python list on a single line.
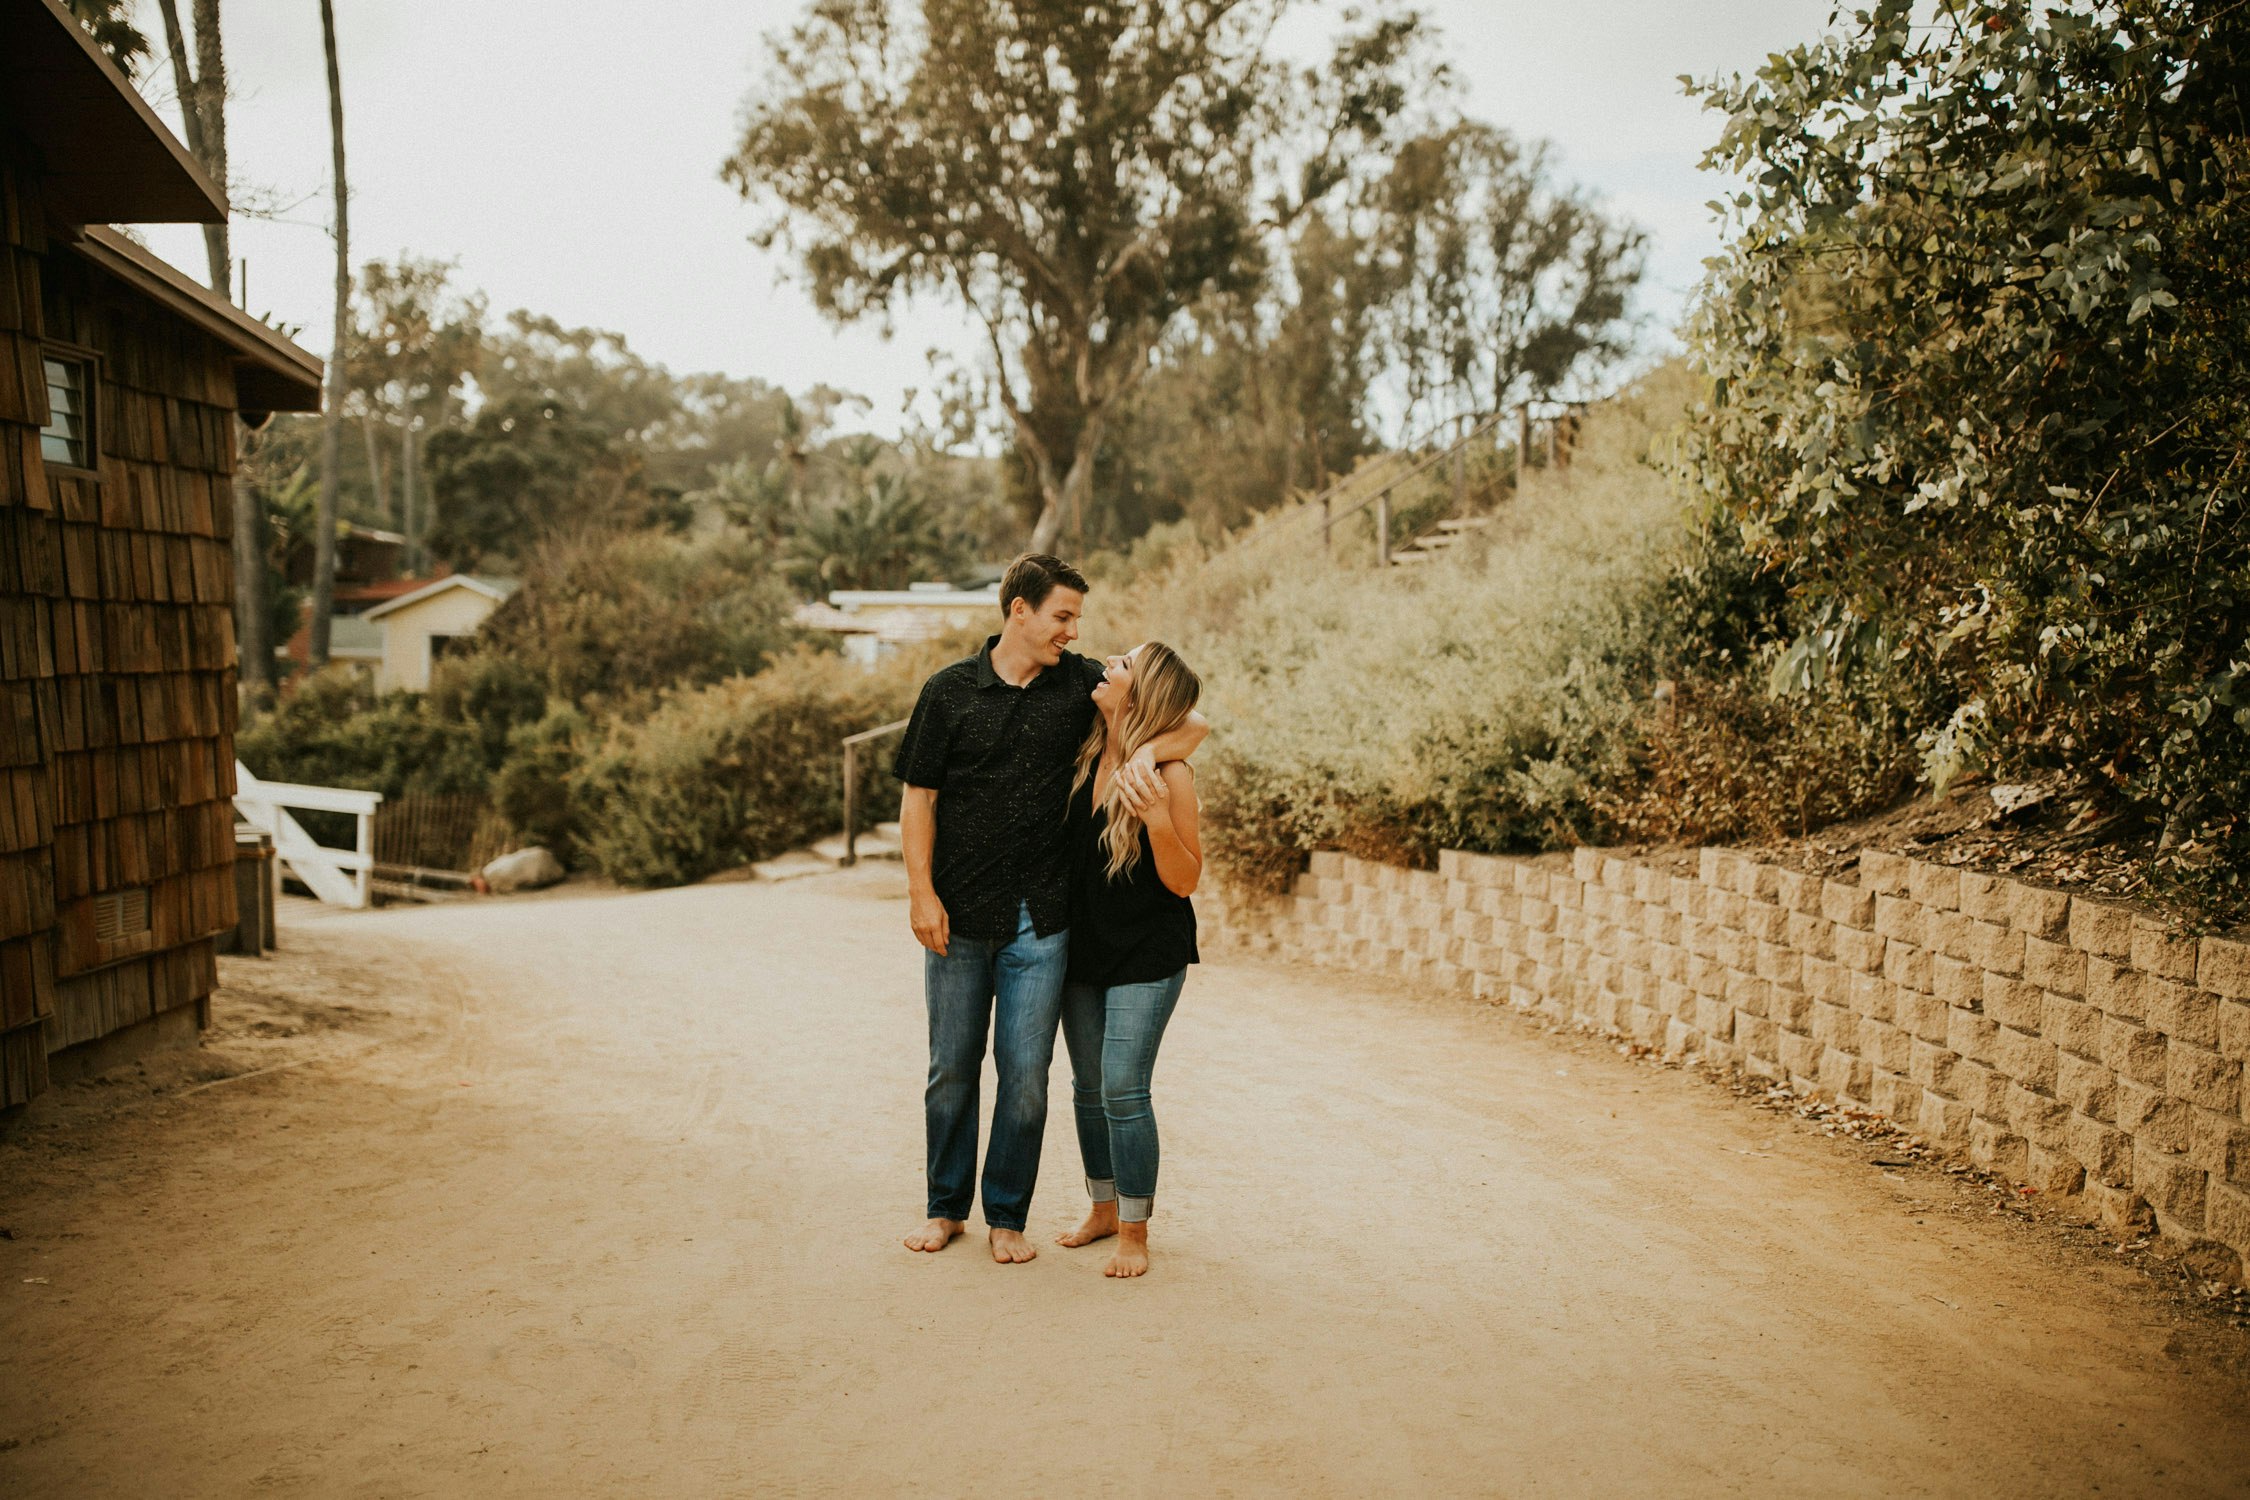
[(1131, 930)]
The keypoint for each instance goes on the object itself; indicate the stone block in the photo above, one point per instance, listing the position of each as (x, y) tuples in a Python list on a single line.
[(2071, 1026), (1680, 1039), (2014, 1002), (1688, 895), (1895, 1097), (1847, 905), (2105, 1151), (1799, 892), (2053, 1171), (1675, 999), (2054, 966), (1706, 976), (1984, 898), (1328, 863), (2157, 949), (1932, 1066), (1714, 1018), (1708, 863), (1800, 1054), (1778, 963), (1736, 949), (2202, 1078), (2173, 1186), (1970, 1034), (1826, 981), (1859, 950), (2099, 928), (1997, 1149), (1944, 1121), (1845, 1076), (1883, 1045), (1926, 1016), (2234, 1029), (1983, 1089), (2085, 1086), (1759, 881), (2115, 988), (2026, 1057), (2220, 1145), (1617, 874), (2132, 1051), (1935, 886), (2226, 1217), (1757, 1037), (2039, 1119), (2119, 1210), (1566, 893), (2223, 967), (1811, 936), (1764, 920), (1790, 1008), (1948, 932), (1872, 995), (2152, 1117), (1996, 950), (1956, 983), (1882, 873), (2183, 1014), (2036, 912), (1899, 919), (1905, 964), (1651, 886), (1834, 1026)]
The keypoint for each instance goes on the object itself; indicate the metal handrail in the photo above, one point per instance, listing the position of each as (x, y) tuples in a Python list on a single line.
[(851, 744)]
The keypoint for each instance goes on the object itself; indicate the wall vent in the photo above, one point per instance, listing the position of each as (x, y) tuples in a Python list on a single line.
[(120, 914)]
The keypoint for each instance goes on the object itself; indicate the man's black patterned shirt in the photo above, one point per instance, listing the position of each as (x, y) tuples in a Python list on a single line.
[(1000, 759)]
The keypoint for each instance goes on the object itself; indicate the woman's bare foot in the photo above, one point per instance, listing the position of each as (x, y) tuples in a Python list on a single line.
[(1101, 1223), (1010, 1247), (1131, 1256), (935, 1235)]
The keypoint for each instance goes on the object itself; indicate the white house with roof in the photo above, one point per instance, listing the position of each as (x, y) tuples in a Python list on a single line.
[(418, 629), (876, 622)]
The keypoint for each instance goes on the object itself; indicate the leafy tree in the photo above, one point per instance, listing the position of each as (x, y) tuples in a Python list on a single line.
[(1499, 284), (881, 535), (528, 468), (110, 24), (1979, 352), (415, 345), (1075, 175)]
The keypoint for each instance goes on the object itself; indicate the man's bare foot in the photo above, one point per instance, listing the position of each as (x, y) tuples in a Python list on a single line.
[(1009, 1246), (1101, 1223), (935, 1235), (1131, 1255)]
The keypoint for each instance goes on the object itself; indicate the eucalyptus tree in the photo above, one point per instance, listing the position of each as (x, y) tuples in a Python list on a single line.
[(1075, 174)]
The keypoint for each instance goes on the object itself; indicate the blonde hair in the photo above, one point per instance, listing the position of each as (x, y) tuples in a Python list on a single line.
[(1163, 694)]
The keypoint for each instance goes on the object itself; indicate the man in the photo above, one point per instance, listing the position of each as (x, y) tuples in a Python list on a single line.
[(987, 764)]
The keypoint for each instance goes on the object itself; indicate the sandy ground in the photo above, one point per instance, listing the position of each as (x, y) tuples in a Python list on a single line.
[(601, 1195)]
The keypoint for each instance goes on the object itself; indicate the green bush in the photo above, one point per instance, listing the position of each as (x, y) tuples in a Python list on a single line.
[(736, 771), (334, 729), (1979, 351), (607, 621)]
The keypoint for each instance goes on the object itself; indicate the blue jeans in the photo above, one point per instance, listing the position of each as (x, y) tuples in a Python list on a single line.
[(1113, 1035), (1020, 980)]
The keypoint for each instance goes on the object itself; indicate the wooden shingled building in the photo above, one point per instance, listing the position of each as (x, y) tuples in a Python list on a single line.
[(120, 382)]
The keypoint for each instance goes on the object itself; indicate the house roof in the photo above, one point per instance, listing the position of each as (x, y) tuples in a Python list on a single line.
[(496, 589), (105, 156), (270, 372), (915, 598)]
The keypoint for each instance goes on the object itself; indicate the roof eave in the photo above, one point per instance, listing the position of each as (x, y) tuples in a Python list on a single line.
[(270, 372)]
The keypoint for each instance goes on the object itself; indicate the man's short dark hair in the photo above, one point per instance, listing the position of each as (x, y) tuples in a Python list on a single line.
[(1032, 577)]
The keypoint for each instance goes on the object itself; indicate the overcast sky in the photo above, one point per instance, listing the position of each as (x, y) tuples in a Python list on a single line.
[(566, 154)]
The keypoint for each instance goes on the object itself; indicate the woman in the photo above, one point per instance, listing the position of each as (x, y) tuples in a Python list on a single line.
[(1132, 936)]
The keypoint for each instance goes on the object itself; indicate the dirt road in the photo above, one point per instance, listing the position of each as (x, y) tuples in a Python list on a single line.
[(601, 1195)]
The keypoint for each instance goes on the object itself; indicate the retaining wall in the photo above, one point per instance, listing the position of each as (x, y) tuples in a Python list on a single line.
[(2059, 1041)]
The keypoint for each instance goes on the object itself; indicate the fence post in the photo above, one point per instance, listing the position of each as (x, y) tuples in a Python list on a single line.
[(851, 803), (1383, 529), (1461, 465), (1324, 504), (1523, 443)]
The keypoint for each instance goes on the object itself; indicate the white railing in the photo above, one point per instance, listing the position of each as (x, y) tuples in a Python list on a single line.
[(340, 877)]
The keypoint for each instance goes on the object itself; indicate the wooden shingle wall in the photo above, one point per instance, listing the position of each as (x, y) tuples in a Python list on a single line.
[(117, 699)]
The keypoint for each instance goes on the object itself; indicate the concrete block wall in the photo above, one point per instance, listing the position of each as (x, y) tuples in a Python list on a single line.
[(2062, 1042)]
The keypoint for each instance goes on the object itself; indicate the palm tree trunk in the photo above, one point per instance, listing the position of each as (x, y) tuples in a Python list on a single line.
[(332, 413)]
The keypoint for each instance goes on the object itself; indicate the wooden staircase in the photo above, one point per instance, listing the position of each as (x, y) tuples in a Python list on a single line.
[(1433, 544)]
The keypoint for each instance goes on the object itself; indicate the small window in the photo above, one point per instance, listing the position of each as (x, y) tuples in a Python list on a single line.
[(68, 437)]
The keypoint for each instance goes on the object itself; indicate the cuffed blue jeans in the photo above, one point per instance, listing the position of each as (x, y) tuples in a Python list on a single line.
[(1013, 990), (1113, 1035)]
